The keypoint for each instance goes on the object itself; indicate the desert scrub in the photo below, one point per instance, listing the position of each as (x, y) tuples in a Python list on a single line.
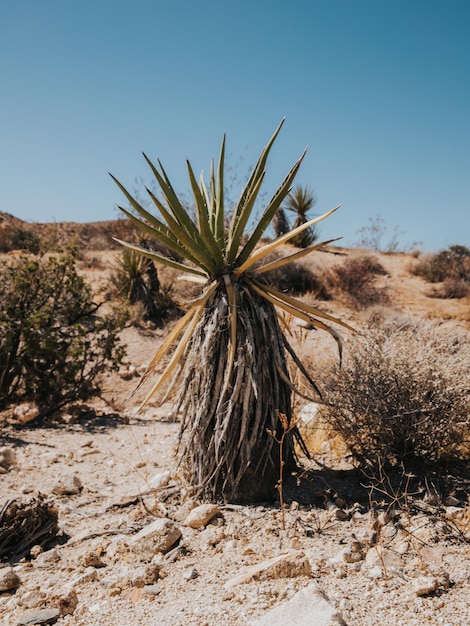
[(450, 267), (135, 281), (53, 342), (230, 358), (356, 279), (402, 396)]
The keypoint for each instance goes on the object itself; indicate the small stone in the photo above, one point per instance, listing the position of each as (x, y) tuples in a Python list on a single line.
[(92, 558), (288, 565), (310, 606), (454, 512), (9, 579), (88, 576), (451, 501), (190, 573), (48, 559), (32, 599), (67, 601), (375, 572), (149, 592), (159, 536), (45, 616), (424, 585), (201, 515), (25, 412), (36, 551), (68, 485), (160, 480)]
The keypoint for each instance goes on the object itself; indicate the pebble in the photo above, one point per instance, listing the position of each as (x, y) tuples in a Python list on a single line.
[(9, 579), (201, 515), (67, 485)]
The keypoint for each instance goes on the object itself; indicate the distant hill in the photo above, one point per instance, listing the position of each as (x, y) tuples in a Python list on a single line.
[(91, 235)]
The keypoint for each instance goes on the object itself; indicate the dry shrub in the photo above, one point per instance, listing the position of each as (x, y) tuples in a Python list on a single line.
[(357, 279), (402, 396), (450, 264), (296, 280), (452, 288)]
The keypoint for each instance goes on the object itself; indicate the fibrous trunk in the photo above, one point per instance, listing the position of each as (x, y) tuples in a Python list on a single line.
[(226, 450)]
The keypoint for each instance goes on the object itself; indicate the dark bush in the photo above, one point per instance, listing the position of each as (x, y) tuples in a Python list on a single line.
[(53, 343), (296, 280)]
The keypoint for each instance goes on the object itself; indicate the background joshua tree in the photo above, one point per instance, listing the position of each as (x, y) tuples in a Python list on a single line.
[(230, 360), (300, 200)]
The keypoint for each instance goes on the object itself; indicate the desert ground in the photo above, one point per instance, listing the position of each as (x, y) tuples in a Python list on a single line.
[(134, 548)]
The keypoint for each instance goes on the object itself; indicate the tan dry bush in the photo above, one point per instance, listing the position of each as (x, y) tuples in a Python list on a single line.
[(356, 278), (402, 395)]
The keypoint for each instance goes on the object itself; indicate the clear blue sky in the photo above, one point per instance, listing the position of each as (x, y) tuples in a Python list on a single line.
[(379, 91)]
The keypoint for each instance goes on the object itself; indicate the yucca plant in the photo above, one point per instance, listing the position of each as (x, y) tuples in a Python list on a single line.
[(230, 354), (300, 200)]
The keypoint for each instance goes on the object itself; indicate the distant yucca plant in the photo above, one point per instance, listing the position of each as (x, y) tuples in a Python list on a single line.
[(231, 355)]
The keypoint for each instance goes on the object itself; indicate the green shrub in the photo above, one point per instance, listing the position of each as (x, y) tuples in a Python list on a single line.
[(136, 281), (402, 396), (357, 278), (53, 343)]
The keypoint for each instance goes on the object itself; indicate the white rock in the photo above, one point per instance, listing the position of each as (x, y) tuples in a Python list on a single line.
[(309, 607), (201, 515), (288, 565), (90, 575), (160, 480), (159, 536), (454, 512), (68, 485)]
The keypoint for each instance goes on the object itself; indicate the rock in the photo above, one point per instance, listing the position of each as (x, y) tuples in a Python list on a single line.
[(25, 412), (201, 515), (452, 501), (160, 480), (454, 513), (352, 553), (92, 558), (287, 565), (159, 536), (190, 573), (68, 485), (147, 575), (66, 600), (150, 591), (48, 559), (309, 607), (9, 579), (45, 616), (7, 458), (88, 576), (424, 585), (32, 599)]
